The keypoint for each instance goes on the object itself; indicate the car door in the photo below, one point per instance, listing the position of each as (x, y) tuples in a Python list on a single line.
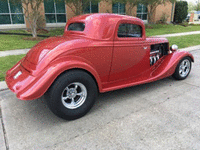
[(130, 54)]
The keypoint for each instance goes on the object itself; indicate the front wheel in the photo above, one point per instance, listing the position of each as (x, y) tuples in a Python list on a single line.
[(72, 95), (183, 69)]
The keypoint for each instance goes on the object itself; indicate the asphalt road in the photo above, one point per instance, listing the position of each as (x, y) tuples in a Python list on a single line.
[(160, 115)]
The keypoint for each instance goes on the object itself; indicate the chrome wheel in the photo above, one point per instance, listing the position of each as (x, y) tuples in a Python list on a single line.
[(74, 95), (184, 68)]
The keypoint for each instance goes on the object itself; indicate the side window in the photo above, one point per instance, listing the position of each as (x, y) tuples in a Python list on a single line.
[(129, 30), (76, 27)]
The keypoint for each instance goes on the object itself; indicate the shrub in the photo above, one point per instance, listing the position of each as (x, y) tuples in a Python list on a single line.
[(184, 23), (181, 11), (163, 19)]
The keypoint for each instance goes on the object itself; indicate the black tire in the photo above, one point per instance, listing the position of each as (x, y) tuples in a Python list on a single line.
[(70, 84), (181, 74)]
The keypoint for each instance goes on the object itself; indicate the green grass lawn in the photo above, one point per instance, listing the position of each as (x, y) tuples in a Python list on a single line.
[(159, 29), (185, 41), (55, 32), (52, 32), (10, 42), (17, 31), (7, 63)]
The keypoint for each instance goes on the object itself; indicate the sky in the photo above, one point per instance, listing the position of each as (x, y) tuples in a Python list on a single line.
[(193, 1)]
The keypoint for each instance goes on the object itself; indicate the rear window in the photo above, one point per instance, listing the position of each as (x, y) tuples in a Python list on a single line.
[(76, 27)]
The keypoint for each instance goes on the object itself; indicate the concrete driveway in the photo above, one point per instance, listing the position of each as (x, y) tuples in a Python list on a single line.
[(160, 115)]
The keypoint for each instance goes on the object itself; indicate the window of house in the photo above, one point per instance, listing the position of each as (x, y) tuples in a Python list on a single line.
[(129, 30), (55, 11), (142, 12), (11, 13), (90, 7), (118, 8)]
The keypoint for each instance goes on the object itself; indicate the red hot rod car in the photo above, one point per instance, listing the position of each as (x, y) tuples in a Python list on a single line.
[(97, 53)]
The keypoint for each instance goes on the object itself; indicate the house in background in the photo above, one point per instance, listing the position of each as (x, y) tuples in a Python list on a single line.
[(195, 17), (56, 14)]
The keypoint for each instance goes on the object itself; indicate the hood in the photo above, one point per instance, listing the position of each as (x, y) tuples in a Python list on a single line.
[(156, 40), (36, 53)]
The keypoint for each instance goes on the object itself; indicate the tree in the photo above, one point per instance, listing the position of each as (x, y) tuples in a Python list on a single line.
[(152, 5), (31, 12), (131, 4), (181, 11), (77, 5), (197, 7), (193, 7)]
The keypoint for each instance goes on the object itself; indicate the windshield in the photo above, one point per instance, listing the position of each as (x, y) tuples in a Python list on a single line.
[(76, 27)]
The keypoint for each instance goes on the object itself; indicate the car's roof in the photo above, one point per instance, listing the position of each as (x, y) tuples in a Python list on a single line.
[(101, 25), (103, 15)]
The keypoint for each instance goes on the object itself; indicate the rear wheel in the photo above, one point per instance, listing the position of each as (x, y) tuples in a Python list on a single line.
[(72, 95), (183, 69)]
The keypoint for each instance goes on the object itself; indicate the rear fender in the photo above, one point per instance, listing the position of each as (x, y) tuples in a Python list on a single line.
[(44, 80)]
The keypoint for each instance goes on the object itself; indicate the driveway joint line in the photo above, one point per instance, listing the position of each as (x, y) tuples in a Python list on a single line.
[(191, 84), (1, 90), (4, 132)]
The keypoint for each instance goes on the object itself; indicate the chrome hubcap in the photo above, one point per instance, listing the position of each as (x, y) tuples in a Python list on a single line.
[(184, 68), (74, 95)]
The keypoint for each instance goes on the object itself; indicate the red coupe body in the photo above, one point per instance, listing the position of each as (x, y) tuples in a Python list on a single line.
[(115, 59)]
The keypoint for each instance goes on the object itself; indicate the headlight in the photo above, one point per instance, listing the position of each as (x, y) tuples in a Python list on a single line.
[(174, 47)]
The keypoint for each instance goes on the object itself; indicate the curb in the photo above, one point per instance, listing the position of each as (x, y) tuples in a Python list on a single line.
[(3, 85)]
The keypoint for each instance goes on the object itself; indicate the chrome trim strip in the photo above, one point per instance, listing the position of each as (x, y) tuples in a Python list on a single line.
[(154, 52)]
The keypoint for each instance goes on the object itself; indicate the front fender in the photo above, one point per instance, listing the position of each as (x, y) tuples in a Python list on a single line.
[(33, 87), (169, 64)]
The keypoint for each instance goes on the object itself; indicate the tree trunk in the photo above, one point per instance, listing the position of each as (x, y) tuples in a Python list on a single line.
[(151, 13), (34, 32), (150, 19), (33, 27)]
